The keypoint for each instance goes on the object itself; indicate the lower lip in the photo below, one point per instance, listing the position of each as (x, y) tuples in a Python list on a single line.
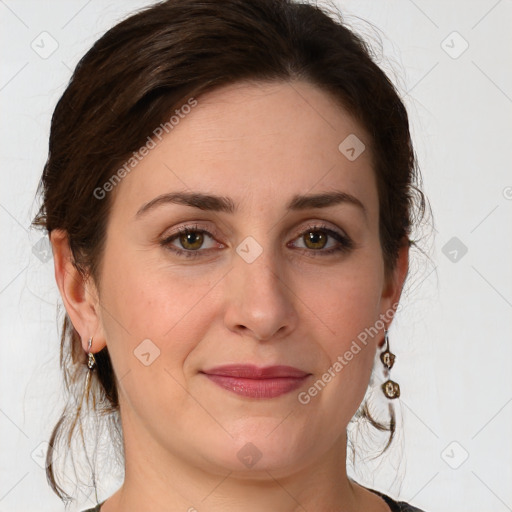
[(258, 388)]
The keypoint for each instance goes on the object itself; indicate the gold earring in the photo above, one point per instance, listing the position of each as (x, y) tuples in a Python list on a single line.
[(391, 389), (91, 359)]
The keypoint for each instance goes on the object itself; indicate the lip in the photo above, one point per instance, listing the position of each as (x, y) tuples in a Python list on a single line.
[(250, 371), (257, 382)]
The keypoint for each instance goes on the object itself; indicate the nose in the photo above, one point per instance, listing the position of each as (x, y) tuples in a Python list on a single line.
[(260, 299)]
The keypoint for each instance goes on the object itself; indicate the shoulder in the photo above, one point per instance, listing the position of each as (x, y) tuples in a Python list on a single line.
[(397, 506)]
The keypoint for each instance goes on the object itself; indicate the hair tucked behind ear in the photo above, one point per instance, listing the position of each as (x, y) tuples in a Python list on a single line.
[(150, 64)]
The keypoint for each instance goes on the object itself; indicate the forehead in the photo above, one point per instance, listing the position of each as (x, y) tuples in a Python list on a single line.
[(253, 142)]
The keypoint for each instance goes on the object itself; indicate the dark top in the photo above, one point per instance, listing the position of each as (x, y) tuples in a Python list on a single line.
[(395, 506)]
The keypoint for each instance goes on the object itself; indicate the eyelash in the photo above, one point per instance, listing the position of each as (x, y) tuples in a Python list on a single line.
[(346, 243)]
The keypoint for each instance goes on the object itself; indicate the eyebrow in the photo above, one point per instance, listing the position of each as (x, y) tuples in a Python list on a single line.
[(215, 203)]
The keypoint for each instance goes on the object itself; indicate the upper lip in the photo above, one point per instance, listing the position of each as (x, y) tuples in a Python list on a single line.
[(248, 371)]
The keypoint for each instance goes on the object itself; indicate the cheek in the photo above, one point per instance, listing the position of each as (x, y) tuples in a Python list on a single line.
[(153, 318), (340, 386), (145, 298), (347, 300), (346, 327), (352, 344)]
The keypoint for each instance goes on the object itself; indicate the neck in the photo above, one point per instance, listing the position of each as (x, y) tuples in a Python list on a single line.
[(158, 480)]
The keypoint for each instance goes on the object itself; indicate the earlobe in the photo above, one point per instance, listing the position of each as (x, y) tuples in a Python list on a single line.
[(78, 292)]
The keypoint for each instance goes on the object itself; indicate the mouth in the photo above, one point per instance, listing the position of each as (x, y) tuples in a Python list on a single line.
[(255, 382)]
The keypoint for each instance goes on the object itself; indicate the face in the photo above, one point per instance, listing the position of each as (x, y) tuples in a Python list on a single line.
[(268, 279)]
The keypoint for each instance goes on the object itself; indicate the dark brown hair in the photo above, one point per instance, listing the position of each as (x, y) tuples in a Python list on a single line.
[(147, 66)]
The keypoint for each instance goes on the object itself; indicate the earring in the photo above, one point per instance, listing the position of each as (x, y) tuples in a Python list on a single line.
[(91, 359), (391, 389)]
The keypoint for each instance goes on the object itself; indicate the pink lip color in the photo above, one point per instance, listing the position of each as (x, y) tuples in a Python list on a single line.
[(254, 382)]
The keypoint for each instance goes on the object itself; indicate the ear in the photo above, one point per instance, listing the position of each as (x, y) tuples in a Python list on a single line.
[(79, 294), (394, 285)]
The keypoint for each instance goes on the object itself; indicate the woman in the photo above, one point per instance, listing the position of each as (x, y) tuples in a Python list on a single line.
[(229, 195)]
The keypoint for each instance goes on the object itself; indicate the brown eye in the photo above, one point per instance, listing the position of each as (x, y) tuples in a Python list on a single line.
[(188, 241), (315, 239), (318, 240), (192, 241)]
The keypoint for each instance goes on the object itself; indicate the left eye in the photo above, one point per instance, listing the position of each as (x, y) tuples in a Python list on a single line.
[(316, 238)]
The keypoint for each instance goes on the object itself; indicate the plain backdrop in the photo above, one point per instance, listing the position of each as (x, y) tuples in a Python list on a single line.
[(451, 61)]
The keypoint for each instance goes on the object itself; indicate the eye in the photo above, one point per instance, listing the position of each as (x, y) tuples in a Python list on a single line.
[(190, 238), (315, 239)]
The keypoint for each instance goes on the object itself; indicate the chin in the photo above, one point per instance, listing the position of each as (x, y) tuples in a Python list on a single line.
[(260, 445)]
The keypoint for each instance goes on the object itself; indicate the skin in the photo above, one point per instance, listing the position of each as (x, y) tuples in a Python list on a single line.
[(259, 144)]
